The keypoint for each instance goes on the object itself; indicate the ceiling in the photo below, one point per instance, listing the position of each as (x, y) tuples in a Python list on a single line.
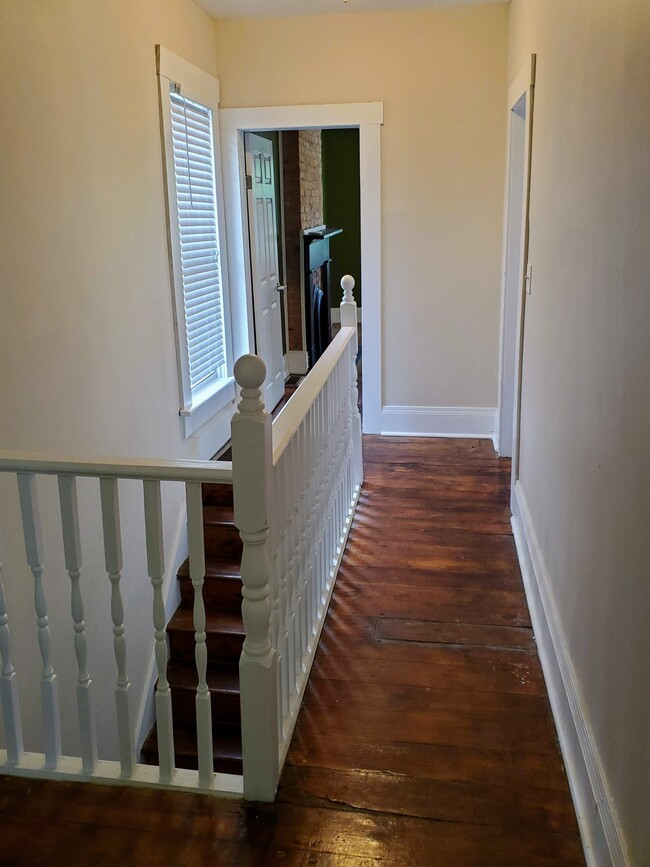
[(250, 8)]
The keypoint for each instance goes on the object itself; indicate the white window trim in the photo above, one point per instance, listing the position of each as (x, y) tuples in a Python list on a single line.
[(203, 88)]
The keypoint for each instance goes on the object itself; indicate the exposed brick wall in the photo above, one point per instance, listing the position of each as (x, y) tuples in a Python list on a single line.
[(302, 180), (311, 178)]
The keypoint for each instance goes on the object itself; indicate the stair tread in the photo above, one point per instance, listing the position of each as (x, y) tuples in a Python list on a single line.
[(226, 742), (216, 621), (216, 567), (221, 678), (218, 514)]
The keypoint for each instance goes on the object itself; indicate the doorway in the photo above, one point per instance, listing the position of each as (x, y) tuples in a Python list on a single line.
[(367, 118), (516, 276)]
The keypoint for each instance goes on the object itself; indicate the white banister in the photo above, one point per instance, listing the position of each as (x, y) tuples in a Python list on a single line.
[(113, 557), (85, 763), (72, 552), (9, 685), (258, 667), (34, 550), (197, 576), (296, 481), (156, 569)]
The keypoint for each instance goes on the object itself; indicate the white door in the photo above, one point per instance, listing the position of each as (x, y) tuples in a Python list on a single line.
[(267, 292)]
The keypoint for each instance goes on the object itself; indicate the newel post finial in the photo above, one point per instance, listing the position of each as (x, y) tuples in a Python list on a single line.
[(250, 373), (347, 285), (348, 304)]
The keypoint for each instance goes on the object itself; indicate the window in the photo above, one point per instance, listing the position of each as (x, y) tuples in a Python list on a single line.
[(189, 100)]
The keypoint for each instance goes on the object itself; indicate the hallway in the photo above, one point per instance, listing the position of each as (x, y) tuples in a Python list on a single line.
[(425, 737)]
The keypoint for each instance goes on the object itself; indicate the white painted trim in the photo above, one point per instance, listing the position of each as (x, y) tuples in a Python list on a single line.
[(296, 361), (600, 830), (438, 421), (513, 303), (110, 773), (336, 315), (368, 117), (286, 117)]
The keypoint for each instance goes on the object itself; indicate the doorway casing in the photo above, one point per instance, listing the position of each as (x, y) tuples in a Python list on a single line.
[(515, 264), (367, 117)]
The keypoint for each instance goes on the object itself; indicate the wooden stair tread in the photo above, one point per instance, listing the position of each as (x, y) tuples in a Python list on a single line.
[(221, 678), (218, 514), (216, 621), (216, 567), (226, 748)]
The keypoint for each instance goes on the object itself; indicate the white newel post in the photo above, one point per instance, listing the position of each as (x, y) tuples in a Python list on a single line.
[(349, 318), (252, 460)]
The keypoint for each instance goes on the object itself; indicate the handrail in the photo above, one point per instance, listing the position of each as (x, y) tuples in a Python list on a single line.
[(291, 415), (120, 468)]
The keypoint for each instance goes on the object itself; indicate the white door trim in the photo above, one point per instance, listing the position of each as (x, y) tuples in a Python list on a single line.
[(513, 308), (368, 117)]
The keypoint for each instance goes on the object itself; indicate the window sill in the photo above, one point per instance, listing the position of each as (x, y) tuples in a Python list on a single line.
[(207, 404)]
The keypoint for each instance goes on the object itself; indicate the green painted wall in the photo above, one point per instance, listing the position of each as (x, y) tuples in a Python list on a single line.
[(342, 206)]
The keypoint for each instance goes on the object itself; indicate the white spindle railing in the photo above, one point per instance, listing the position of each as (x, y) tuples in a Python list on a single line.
[(296, 482), (51, 763)]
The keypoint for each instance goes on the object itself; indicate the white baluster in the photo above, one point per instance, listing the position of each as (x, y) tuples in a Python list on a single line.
[(34, 551), (113, 559), (197, 576), (283, 649), (349, 318), (156, 569), (258, 667), (72, 551), (9, 686)]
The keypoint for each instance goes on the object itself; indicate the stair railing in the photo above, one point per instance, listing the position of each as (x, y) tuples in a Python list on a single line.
[(87, 766), (296, 482)]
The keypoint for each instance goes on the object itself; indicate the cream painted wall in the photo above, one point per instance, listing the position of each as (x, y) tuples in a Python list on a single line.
[(585, 470), (441, 74), (87, 355)]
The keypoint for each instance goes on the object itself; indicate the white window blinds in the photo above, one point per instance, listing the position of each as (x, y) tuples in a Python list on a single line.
[(194, 172)]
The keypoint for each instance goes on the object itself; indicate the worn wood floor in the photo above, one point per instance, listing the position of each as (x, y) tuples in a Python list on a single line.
[(426, 738)]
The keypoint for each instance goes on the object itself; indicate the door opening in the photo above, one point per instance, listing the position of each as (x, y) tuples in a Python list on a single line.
[(515, 265)]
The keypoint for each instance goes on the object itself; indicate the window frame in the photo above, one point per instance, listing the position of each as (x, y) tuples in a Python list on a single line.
[(193, 83)]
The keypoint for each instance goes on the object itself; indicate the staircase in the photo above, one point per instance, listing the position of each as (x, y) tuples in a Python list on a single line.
[(225, 635)]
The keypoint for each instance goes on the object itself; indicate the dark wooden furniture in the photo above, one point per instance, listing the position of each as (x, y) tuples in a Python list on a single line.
[(317, 289)]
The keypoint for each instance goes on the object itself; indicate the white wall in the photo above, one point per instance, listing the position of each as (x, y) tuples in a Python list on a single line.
[(87, 355), (441, 74), (585, 421)]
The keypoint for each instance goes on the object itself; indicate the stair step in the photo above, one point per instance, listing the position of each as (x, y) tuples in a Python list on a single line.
[(217, 495), (220, 533), (223, 683), (226, 749), (222, 586), (225, 635)]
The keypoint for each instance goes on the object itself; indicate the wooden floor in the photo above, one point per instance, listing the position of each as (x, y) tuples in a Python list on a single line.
[(426, 736)]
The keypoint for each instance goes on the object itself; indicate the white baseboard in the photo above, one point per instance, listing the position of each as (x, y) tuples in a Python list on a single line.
[(599, 827), (438, 421), (336, 315), (296, 361)]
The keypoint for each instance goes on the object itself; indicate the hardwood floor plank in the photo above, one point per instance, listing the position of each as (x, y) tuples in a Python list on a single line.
[(485, 803), (435, 632)]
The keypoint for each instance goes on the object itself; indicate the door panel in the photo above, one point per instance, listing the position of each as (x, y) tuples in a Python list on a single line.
[(263, 231)]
